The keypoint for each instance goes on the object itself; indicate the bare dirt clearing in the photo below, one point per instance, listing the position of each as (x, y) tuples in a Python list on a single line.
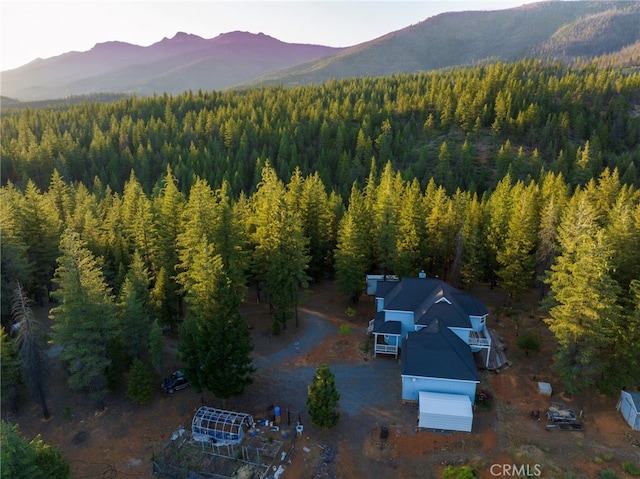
[(121, 440)]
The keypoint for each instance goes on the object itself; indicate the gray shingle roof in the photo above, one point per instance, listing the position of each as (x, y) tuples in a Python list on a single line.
[(386, 327), (437, 352), (421, 295), (451, 314)]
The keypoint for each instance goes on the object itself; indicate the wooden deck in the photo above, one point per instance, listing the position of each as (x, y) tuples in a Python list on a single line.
[(497, 356)]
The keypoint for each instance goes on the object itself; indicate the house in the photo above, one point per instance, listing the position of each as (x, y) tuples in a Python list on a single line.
[(629, 406), (436, 329), (414, 303)]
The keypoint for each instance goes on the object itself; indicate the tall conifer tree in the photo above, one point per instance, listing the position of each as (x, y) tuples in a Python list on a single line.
[(411, 231), (585, 308), (133, 318), (84, 317), (353, 250), (516, 256), (214, 340), (280, 258), (167, 208)]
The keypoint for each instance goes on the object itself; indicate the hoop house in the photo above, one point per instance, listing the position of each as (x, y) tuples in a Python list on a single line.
[(220, 426)]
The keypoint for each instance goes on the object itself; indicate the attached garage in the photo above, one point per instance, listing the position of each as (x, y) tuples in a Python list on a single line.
[(629, 407), (449, 412)]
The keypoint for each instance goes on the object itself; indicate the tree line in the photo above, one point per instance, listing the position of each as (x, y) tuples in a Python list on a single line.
[(124, 258), (464, 127), (120, 267)]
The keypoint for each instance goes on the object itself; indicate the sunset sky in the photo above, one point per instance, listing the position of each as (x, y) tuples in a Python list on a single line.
[(42, 29)]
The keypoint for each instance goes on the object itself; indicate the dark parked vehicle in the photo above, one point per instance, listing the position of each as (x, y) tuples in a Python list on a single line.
[(175, 382)]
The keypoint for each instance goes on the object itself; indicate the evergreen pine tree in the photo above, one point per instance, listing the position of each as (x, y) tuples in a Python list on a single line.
[(280, 257), (167, 209), (323, 400), (353, 249), (554, 196), (385, 212), (24, 459), (160, 298), (474, 245), (411, 229), (84, 317), (156, 347), (516, 256), (585, 298), (9, 370), (14, 259), (317, 222), (133, 320), (441, 230), (214, 340), (137, 220), (499, 208), (41, 233), (139, 382)]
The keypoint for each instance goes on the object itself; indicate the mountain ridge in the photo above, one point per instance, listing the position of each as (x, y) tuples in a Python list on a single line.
[(559, 30)]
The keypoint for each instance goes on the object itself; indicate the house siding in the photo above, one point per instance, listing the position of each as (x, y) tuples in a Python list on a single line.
[(391, 339), (412, 385), (478, 323), (404, 317)]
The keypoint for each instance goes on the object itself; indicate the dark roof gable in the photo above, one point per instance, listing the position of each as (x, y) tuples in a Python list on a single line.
[(437, 352), (430, 298)]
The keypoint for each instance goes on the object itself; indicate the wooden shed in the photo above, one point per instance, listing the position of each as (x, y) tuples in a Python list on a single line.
[(629, 407)]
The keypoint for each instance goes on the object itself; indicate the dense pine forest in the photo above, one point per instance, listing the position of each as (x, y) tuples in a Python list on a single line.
[(161, 211)]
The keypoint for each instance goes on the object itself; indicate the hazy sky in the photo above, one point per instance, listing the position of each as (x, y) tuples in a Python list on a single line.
[(42, 29)]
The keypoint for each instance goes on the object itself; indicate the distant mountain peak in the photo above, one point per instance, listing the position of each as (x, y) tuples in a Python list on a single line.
[(181, 36), (551, 29), (111, 45), (242, 37)]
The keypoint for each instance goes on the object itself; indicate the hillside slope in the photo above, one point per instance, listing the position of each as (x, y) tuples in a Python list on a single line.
[(566, 31), (562, 30)]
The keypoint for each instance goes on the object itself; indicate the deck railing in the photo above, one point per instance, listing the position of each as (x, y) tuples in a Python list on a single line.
[(479, 341), (385, 349)]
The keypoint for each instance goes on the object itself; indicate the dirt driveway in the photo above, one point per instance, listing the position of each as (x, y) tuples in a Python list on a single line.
[(121, 440)]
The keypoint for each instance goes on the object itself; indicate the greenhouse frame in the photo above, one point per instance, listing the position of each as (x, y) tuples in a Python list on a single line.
[(220, 426)]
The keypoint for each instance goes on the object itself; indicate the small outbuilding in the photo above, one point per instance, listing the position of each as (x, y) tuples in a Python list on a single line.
[(220, 426), (544, 388), (449, 412), (629, 407)]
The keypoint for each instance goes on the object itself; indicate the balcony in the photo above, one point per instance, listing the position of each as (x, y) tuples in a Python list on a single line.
[(385, 349), (479, 340)]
